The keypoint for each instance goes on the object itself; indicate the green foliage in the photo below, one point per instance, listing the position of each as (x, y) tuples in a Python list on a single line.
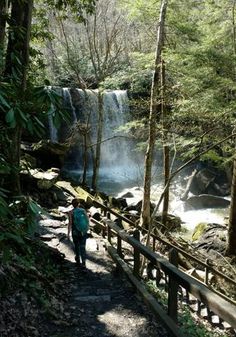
[(160, 294), (187, 323), (137, 76), (4, 211), (25, 212), (31, 109), (190, 328)]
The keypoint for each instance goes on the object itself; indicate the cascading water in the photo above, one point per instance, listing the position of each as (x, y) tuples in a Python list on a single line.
[(116, 160), (68, 103), (52, 130), (116, 148)]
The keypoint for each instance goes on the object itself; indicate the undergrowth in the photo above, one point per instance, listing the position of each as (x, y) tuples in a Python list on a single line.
[(189, 326)]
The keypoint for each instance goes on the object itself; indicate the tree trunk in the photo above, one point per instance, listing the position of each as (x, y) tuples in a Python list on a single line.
[(188, 186), (96, 163), (166, 150), (18, 42), (231, 246), (155, 96), (3, 16), (16, 66)]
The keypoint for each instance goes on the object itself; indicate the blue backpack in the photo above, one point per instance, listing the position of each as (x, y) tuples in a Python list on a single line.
[(80, 220)]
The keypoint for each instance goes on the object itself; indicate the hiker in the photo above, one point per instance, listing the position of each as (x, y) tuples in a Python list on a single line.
[(79, 224)]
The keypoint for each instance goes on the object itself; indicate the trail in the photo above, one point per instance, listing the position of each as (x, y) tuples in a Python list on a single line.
[(100, 302)]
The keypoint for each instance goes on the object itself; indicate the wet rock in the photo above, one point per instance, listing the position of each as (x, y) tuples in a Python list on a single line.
[(207, 181), (213, 240), (206, 201), (127, 195), (120, 203)]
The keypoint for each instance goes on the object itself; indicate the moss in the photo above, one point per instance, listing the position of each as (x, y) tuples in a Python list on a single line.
[(199, 230)]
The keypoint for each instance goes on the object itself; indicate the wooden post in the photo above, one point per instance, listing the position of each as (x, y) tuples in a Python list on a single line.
[(206, 279), (136, 255), (119, 246), (153, 243), (173, 288), (108, 233)]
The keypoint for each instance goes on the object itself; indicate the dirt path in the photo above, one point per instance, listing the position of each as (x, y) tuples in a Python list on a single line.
[(100, 302)]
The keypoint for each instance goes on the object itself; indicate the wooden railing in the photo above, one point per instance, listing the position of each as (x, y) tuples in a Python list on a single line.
[(205, 265), (175, 278)]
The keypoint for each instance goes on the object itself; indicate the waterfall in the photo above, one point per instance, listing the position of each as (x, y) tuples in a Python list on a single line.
[(116, 149), (52, 130), (115, 152), (68, 103)]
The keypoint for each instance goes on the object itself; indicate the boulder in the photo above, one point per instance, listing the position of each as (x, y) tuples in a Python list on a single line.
[(207, 181), (212, 240), (47, 153), (127, 195), (43, 179), (66, 186), (120, 203), (206, 201)]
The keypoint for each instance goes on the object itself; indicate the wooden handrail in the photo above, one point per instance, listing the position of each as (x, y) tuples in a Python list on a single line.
[(130, 222), (214, 302)]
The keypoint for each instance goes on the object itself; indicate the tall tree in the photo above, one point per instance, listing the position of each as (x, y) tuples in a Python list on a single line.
[(231, 245), (3, 20), (154, 116), (16, 66), (166, 149)]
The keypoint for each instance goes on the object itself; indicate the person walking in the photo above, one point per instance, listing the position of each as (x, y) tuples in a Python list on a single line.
[(78, 225)]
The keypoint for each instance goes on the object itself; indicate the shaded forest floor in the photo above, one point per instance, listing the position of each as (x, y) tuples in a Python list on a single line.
[(54, 298)]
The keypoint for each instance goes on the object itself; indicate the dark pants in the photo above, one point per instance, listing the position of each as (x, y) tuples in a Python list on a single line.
[(79, 240)]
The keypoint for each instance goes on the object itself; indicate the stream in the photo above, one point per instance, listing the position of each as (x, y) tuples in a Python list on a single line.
[(118, 181)]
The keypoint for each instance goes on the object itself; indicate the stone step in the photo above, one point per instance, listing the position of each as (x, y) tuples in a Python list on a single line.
[(98, 292), (93, 298)]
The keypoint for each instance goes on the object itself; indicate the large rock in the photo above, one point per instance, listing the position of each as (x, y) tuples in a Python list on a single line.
[(47, 153), (43, 179), (65, 185), (207, 181), (206, 201), (212, 240)]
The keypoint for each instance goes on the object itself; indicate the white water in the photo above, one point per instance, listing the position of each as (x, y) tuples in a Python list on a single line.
[(189, 218), (52, 130), (68, 101)]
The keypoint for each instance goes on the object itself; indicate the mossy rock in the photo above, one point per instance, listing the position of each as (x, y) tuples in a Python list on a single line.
[(199, 230)]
